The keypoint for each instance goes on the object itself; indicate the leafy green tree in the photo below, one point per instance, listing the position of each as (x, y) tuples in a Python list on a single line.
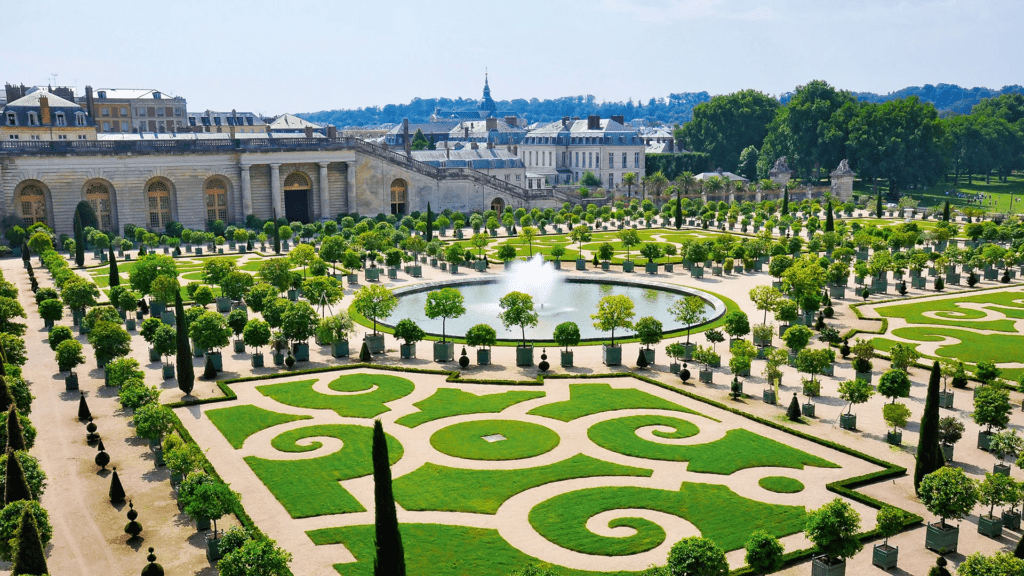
[(833, 529), (765, 298), (697, 556), (276, 272), (726, 125), (648, 330), (148, 268), (444, 304), (764, 552), (614, 311), (992, 408), (374, 302), (109, 341), (999, 564), (517, 310), (256, 557), (420, 142), (210, 331), (948, 493), (929, 454), (688, 311), (894, 384), (629, 239), (855, 392), (579, 235), (212, 500)]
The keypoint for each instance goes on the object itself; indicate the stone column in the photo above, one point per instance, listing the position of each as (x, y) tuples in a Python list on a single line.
[(246, 192), (351, 206), (276, 196), (325, 195)]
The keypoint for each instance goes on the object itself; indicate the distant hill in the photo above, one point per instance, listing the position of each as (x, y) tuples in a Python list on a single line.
[(947, 98), (675, 109)]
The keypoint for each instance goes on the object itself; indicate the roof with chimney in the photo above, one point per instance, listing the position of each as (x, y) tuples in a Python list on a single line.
[(292, 122), (468, 157), (582, 127), (211, 118)]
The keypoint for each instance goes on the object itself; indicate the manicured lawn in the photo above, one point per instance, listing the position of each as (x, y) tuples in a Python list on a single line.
[(368, 393), (952, 314), (311, 487), (781, 484), (1001, 193), (237, 423), (448, 402), (738, 450), (523, 440), (434, 487), (587, 399), (973, 347), (439, 550), (718, 512)]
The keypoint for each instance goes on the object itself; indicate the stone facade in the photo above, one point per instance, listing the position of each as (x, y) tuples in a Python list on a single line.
[(563, 151), (334, 176), (842, 181), (780, 172)]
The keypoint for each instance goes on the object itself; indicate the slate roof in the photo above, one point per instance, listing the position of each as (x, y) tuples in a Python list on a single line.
[(292, 122), (479, 158), (226, 119), (31, 100)]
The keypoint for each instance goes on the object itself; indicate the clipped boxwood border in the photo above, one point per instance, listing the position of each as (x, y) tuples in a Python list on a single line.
[(846, 487)]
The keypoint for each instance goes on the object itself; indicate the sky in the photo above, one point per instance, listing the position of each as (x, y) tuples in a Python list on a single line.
[(304, 56)]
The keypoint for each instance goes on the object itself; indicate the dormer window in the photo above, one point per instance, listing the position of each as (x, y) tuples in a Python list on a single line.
[(33, 119), (61, 121), (156, 95), (12, 119), (79, 119)]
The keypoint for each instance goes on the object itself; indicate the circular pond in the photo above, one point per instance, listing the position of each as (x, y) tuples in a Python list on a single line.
[(566, 299)]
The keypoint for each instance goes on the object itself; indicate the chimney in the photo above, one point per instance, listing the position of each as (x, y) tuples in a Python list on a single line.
[(620, 119), (465, 132), (44, 110), (232, 130), (490, 145), (515, 149), (512, 121), (593, 122), (405, 137), (492, 124), (565, 120), (474, 146), (332, 132), (89, 102), (309, 131), (671, 145)]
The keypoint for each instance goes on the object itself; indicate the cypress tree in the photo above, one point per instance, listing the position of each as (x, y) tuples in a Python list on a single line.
[(793, 412), (390, 557), (6, 398), (945, 212), (830, 225), (679, 210), (878, 205), (29, 557), (785, 202), (929, 456), (83, 408), (116, 492), (24, 251), (115, 277), (16, 486), (186, 375), (15, 437), (430, 223), (87, 215), (277, 240), (79, 241)]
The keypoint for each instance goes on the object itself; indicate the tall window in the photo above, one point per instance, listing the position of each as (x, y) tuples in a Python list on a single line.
[(216, 200), (159, 196), (498, 205), (611, 160), (398, 196), (623, 159), (59, 116), (33, 204), (98, 195), (636, 160), (611, 180)]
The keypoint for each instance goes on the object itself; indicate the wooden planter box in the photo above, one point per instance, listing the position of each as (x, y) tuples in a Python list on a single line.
[(611, 355), (705, 376), (865, 376), (1011, 520), (627, 266), (821, 567), (371, 274), (375, 342), (581, 264), (339, 349), (217, 360), (651, 267), (483, 356), (697, 272), (768, 396), (884, 556), (990, 526), (443, 351), (301, 352), (848, 421), (407, 351), (524, 355), (71, 381), (947, 452), (239, 346), (223, 305), (168, 371), (942, 541), (984, 438), (894, 438), (566, 358), (257, 360), (807, 410)]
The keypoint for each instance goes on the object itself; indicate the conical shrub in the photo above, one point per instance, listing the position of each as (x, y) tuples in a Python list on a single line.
[(793, 412), (116, 492), (83, 408), (364, 353), (29, 557), (16, 486), (15, 436)]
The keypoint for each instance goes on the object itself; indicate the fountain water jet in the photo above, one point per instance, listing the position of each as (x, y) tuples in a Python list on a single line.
[(535, 277)]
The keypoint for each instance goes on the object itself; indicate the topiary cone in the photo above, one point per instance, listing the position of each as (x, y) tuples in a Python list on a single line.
[(152, 569), (133, 528), (29, 557), (83, 408), (209, 371), (6, 399), (116, 492), (16, 486), (15, 437), (102, 458), (641, 359), (364, 353), (793, 412)]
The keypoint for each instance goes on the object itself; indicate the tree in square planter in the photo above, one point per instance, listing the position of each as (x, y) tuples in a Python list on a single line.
[(211, 333), (648, 330), (237, 319), (863, 352), (1005, 445), (889, 522), (689, 311), (743, 354), (256, 335), (211, 500), (763, 335), (737, 326), (482, 337), (165, 343), (949, 494), (444, 304), (614, 311), (336, 330), (109, 341), (51, 311), (833, 528), (707, 358), (991, 410), (409, 333), (69, 355), (651, 251), (951, 430), (895, 415), (775, 360), (298, 324), (153, 421), (629, 239), (854, 392), (994, 490), (786, 312), (796, 338), (517, 310), (374, 302), (676, 351), (604, 253)]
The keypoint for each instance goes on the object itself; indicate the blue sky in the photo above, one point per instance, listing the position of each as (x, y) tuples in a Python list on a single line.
[(303, 55)]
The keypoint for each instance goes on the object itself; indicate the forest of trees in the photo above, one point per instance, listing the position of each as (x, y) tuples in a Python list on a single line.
[(903, 141)]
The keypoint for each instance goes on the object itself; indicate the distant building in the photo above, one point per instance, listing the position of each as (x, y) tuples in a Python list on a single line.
[(42, 115), (223, 122), (499, 163), (434, 132), (292, 124), (563, 151), (703, 176), (486, 108), (500, 132), (132, 110)]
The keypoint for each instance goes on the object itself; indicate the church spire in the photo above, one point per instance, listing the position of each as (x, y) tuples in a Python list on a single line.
[(486, 103)]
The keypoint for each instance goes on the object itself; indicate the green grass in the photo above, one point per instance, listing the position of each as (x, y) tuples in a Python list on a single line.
[(435, 487), (237, 423), (523, 440), (311, 487), (369, 394), (439, 550), (952, 314), (587, 399), (719, 513), (738, 450), (780, 484), (447, 402), (973, 347), (935, 195)]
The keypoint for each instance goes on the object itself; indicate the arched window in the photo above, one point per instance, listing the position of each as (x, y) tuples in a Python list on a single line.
[(159, 196), (296, 181), (99, 196), (32, 200), (498, 205), (398, 196), (216, 200)]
